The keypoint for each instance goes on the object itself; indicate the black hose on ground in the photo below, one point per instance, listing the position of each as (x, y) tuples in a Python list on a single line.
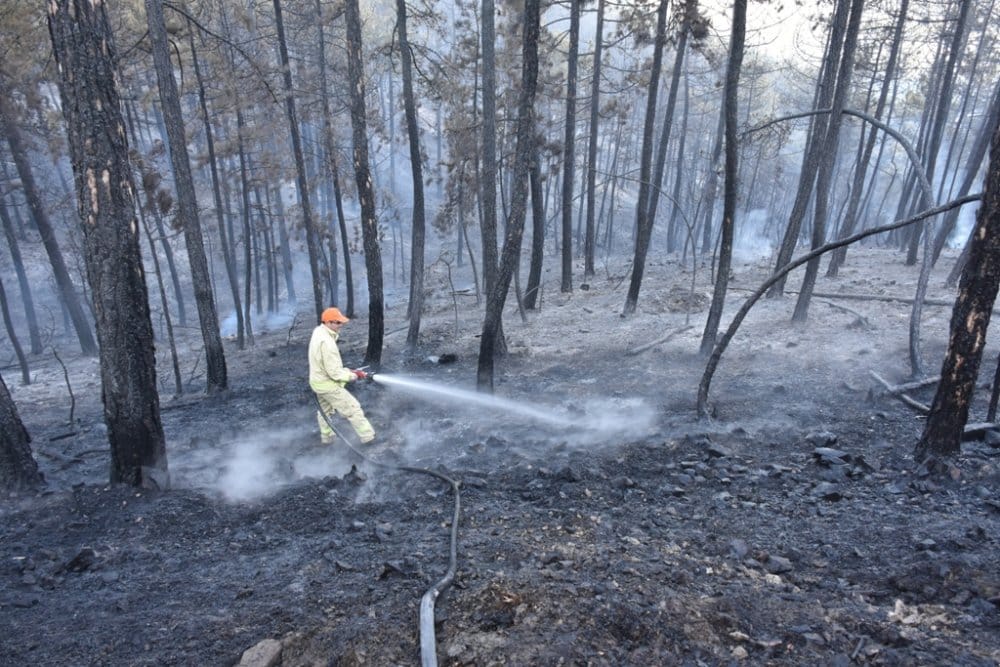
[(428, 642)]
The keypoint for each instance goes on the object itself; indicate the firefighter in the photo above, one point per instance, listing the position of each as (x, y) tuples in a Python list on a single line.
[(328, 378)]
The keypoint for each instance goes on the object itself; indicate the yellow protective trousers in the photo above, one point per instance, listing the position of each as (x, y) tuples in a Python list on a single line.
[(337, 400)]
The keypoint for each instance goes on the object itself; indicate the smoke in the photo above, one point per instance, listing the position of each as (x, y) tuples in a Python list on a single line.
[(279, 320), (751, 241)]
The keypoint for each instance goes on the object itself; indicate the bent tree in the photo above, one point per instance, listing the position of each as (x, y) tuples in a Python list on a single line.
[(84, 52), (970, 317)]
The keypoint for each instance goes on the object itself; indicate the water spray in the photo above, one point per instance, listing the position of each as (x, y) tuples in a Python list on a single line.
[(424, 388)]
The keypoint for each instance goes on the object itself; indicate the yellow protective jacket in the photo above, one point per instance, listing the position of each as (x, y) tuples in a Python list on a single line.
[(326, 370)]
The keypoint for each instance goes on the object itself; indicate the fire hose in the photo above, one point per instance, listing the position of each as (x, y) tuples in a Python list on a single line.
[(428, 642)]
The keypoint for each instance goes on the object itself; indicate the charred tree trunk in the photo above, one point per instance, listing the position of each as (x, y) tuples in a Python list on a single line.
[(416, 166), (814, 155), (595, 97), (642, 226), (18, 469), (861, 167), (22, 280), (730, 98), (366, 192), (312, 238), (970, 319), (828, 158), (83, 47), (224, 239), (569, 148), (331, 160), (519, 197), (67, 292), (8, 323), (531, 294), (215, 357)]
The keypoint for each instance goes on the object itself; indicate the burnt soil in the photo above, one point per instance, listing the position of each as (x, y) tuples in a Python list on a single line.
[(791, 528)]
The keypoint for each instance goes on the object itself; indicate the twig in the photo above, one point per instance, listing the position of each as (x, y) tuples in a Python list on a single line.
[(69, 387), (291, 327)]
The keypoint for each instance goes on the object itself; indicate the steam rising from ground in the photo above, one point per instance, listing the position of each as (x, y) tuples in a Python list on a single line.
[(253, 467)]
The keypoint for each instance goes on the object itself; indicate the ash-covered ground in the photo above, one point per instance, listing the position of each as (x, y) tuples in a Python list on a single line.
[(602, 523)]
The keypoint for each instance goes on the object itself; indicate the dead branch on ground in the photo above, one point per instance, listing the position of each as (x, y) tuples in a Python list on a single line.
[(901, 395), (861, 319), (664, 339)]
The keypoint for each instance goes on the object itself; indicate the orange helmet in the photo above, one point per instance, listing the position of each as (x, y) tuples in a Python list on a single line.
[(333, 315)]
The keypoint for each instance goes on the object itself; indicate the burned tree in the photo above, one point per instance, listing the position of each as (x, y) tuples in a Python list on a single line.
[(970, 318), (18, 470), (84, 52)]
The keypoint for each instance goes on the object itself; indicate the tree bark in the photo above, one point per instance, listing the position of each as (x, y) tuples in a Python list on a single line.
[(8, 324), (84, 51)]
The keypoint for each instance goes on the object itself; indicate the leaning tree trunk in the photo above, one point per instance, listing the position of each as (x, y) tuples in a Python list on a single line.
[(227, 247), (366, 192), (519, 197), (312, 238), (416, 165), (67, 292), (941, 112), (813, 154), (668, 116), (8, 324), (864, 160), (84, 51), (187, 203), (970, 318), (730, 98), (331, 159), (972, 168), (642, 225), (22, 280), (828, 158), (18, 469)]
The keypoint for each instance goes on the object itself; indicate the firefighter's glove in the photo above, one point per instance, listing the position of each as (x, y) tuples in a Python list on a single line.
[(360, 375)]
